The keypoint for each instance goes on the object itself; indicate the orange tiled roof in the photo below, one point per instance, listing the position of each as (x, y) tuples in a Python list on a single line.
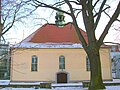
[(50, 33)]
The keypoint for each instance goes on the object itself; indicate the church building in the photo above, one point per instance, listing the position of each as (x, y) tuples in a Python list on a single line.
[(54, 53)]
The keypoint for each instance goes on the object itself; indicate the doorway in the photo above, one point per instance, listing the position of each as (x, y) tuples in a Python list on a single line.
[(62, 77)]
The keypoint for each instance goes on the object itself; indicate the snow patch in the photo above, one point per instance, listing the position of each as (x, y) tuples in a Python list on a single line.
[(62, 88), (114, 81), (4, 82), (24, 83), (68, 85), (47, 45)]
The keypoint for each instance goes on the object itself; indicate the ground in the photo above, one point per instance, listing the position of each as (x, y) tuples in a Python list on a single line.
[(63, 88), (69, 86)]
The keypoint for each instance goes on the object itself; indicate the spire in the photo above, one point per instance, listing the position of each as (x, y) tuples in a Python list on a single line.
[(60, 18)]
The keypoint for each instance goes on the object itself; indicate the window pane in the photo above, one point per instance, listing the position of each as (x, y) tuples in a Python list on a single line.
[(34, 63), (62, 66), (61, 62), (34, 59), (34, 67)]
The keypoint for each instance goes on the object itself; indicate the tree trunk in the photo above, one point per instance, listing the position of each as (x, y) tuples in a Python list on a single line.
[(96, 82)]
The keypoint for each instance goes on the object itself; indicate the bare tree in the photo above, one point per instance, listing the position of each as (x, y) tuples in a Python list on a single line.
[(13, 13), (91, 11)]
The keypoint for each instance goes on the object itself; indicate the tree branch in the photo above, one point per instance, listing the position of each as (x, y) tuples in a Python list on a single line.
[(110, 17), (90, 13), (113, 18), (58, 3), (84, 13), (81, 38), (77, 3), (14, 18), (40, 4), (99, 14), (78, 14), (95, 3)]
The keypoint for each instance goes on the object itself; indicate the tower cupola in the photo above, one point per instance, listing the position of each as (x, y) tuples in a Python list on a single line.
[(60, 19)]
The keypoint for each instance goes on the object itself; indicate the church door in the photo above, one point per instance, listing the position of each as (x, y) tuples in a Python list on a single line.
[(61, 78)]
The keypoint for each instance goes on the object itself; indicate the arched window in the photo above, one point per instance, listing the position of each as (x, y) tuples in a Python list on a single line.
[(61, 62), (34, 63), (87, 64)]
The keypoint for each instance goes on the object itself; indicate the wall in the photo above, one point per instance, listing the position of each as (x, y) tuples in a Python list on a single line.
[(48, 64)]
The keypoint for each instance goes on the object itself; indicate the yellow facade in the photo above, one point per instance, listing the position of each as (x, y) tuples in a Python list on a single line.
[(48, 64)]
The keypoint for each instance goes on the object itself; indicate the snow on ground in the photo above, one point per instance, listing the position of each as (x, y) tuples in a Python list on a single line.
[(63, 88), (6, 82), (113, 87)]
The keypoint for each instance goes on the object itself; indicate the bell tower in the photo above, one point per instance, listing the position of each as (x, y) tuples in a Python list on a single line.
[(60, 18)]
